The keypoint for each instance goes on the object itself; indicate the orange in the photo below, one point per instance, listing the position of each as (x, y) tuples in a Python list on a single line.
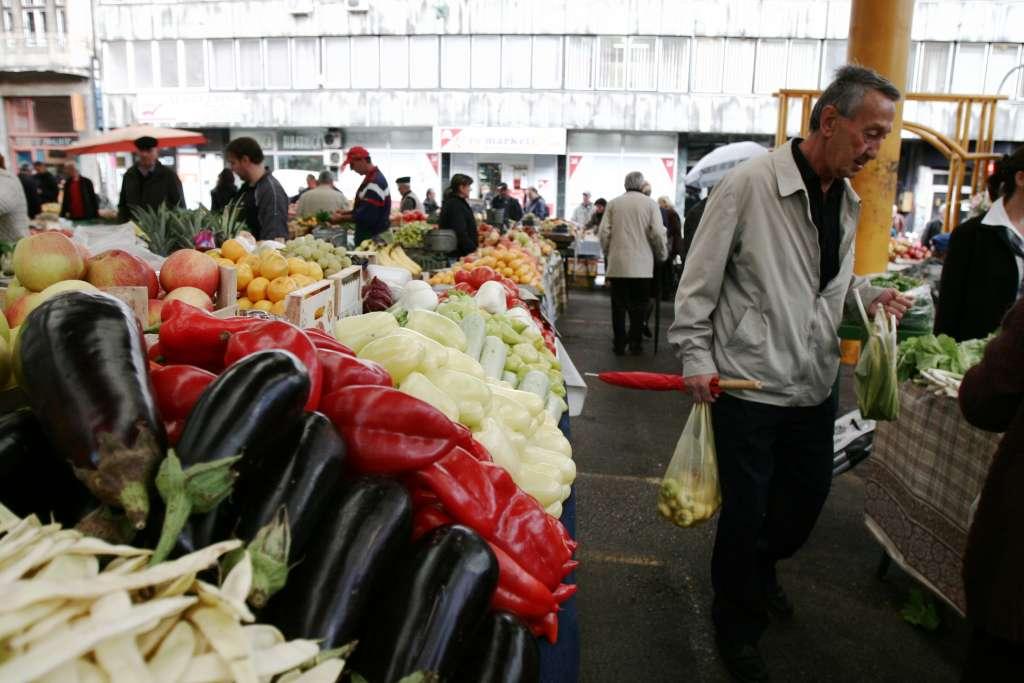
[(213, 253), (257, 289), (225, 262), (253, 260), (273, 266), (278, 308), (263, 306), (244, 304), (302, 280), (233, 250), (280, 287), (244, 276), (314, 271), (297, 266)]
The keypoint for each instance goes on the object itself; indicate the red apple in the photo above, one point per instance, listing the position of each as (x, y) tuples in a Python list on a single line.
[(155, 307), (83, 251), (45, 258), (17, 313), (190, 268), (117, 268), (192, 296)]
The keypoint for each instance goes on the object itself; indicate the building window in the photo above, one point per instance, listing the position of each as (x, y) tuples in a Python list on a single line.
[(643, 63), (969, 68), (770, 67), (455, 60), (804, 64), (250, 64), (8, 15), (222, 64), (278, 64), (675, 64), (366, 69), (738, 71), (1001, 59), (195, 64), (306, 63), (933, 67), (835, 57), (394, 68), (337, 62), (33, 21), (115, 66), (485, 65), (143, 53), (515, 62), (579, 63), (168, 51), (423, 62), (708, 63), (547, 62), (611, 62)]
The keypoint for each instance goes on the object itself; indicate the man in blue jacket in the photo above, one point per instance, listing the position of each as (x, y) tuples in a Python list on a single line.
[(371, 211)]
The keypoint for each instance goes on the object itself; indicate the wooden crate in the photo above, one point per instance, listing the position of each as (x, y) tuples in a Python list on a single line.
[(348, 291), (137, 299), (312, 306)]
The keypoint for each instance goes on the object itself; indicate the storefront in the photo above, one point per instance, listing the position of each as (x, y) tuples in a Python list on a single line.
[(38, 128), (598, 162)]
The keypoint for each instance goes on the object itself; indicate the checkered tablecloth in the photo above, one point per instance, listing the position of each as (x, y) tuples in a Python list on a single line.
[(925, 472)]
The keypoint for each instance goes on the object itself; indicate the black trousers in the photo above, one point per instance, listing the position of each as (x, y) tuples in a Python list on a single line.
[(629, 295), (991, 659), (775, 470)]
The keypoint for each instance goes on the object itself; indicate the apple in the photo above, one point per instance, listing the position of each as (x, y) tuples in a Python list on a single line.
[(190, 268), (66, 286), (83, 251), (192, 296), (15, 291), (17, 313), (45, 258), (156, 306), (118, 268)]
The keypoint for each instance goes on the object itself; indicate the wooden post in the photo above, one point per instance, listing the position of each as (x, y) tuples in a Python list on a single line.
[(879, 39)]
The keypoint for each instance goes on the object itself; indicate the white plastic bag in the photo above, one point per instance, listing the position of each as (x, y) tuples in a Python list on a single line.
[(689, 492)]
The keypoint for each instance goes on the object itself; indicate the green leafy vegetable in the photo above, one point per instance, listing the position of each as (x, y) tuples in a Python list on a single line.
[(938, 353), (921, 611), (877, 388), (897, 281)]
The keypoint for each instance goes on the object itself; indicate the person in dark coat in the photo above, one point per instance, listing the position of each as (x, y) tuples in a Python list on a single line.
[(984, 267), (674, 226), (457, 215), (505, 200), (79, 201), (148, 182), (690, 224), (264, 201), (430, 205), (49, 188), (992, 398), (225, 192), (28, 184), (535, 204)]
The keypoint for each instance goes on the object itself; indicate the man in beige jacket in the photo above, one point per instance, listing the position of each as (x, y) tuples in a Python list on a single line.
[(761, 297), (633, 238)]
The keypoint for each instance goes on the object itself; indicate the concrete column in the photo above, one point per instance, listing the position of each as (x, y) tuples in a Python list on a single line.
[(879, 39)]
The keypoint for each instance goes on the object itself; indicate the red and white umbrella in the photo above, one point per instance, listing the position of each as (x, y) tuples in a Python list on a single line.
[(123, 139)]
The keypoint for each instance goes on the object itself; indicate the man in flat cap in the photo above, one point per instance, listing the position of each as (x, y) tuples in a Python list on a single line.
[(410, 202), (148, 182)]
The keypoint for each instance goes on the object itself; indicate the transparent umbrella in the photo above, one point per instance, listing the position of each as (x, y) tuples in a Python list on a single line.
[(715, 164)]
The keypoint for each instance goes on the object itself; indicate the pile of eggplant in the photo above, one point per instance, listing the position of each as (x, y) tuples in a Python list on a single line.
[(332, 553)]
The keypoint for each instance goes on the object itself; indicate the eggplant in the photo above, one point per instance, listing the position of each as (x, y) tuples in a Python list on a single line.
[(260, 395), (427, 622), (504, 651), (33, 480), (81, 360), (347, 571)]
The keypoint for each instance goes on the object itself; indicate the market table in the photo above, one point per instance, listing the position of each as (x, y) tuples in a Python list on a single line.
[(926, 470)]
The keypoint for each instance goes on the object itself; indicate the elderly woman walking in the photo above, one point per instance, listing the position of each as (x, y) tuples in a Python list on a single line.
[(633, 240)]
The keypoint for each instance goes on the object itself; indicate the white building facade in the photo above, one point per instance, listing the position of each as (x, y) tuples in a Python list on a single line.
[(562, 95)]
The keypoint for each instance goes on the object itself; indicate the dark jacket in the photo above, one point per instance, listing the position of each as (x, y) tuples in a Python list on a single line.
[(265, 205), (538, 207), (979, 281), (513, 210), (458, 216), (49, 188), (28, 184), (90, 205), (160, 186), (675, 232), (221, 196), (992, 398), (693, 217)]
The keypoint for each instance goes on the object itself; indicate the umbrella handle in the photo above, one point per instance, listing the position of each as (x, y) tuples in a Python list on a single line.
[(740, 384)]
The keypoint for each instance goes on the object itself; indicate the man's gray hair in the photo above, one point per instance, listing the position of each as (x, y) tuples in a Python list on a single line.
[(634, 181), (847, 91), (326, 178)]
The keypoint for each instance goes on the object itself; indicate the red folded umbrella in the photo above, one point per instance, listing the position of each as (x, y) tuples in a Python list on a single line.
[(659, 381)]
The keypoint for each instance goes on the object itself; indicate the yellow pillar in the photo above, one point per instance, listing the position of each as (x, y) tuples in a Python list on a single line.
[(879, 39)]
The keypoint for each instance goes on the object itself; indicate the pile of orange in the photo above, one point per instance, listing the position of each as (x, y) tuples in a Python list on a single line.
[(265, 279)]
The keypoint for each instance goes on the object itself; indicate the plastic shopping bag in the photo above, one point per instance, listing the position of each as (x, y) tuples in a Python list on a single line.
[(689, 492), (920, 317), (875, 380)]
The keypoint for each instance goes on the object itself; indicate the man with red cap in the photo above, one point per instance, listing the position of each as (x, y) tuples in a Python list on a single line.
[(371, 210)]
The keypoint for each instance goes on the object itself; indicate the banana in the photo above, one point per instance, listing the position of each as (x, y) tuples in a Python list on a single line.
[(399, 254)]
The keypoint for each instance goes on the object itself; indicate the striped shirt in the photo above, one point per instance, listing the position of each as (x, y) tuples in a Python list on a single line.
[(372, 212)]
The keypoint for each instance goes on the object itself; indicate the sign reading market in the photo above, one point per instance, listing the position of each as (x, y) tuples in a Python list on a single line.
[(484, 140)]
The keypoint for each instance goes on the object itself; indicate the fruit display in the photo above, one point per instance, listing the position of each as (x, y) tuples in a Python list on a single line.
[(900, 248), (394, 255), (329, 257), (410, 234), (512, 262), (339, 502)]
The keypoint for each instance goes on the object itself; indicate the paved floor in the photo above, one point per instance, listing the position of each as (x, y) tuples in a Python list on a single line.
[(644, 584)]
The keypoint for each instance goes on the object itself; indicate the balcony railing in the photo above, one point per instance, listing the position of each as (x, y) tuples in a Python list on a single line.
[(45, 52)]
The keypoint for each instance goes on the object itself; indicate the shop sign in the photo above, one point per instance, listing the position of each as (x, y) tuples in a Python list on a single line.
[(574, 161), (485, 140), (301, 141), (264, 137), (670, 167), (44, 140)]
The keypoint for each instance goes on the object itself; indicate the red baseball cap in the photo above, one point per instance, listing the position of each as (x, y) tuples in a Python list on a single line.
[(355, 153)]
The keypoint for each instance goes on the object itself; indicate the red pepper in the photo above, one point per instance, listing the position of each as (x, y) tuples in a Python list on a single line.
[(340, 371), (177, 389), (480, 275), (428, 518), (517, 581), (479, 452), (388, 432), (462, 277), (174, 429), (511, 291), (322, 340), (156, 354), (191, 336), (464, 489), (547, 627), (277, 334)]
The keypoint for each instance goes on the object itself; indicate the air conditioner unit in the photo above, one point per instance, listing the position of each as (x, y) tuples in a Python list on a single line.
[(333, 158), (333, 139), (357, 5)]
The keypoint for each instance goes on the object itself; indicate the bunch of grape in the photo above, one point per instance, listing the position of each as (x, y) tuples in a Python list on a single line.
[(330, 258), (411, 234)]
